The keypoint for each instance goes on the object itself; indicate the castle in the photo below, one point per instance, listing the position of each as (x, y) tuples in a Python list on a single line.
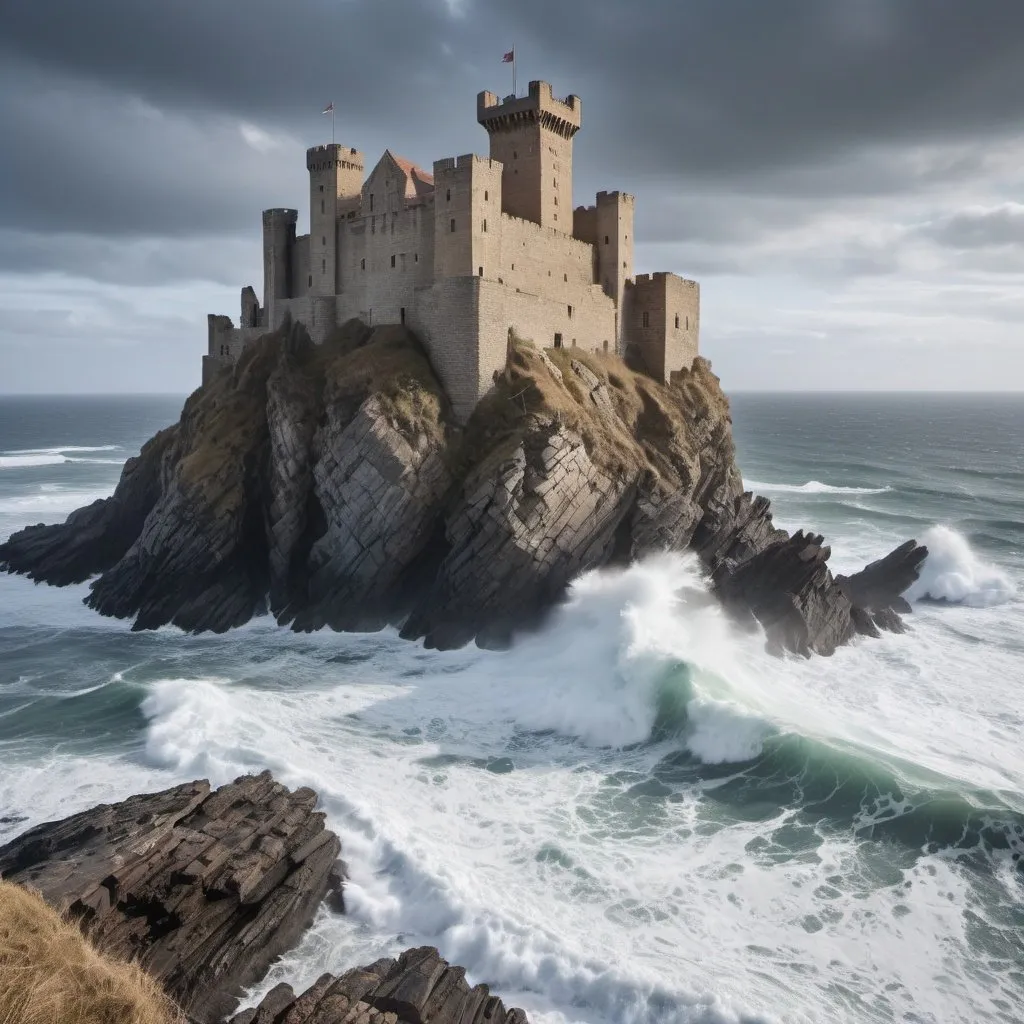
[(482, 248)]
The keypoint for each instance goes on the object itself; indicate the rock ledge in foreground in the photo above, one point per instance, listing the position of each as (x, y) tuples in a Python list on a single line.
[(204, 889), (418, 988)]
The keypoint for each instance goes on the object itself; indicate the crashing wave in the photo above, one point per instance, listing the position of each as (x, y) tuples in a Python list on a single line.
[(813, 487), (952, 572)]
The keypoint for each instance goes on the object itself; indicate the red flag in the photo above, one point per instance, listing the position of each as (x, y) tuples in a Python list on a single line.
[(509, 57)]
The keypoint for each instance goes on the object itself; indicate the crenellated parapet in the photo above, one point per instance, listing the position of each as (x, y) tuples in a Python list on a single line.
[(531, 136), (334, 155), (481, 247), (539, 107)]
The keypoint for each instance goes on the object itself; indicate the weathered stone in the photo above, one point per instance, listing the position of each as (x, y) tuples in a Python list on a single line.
[(418, 988), (332, 482), (203, 889)]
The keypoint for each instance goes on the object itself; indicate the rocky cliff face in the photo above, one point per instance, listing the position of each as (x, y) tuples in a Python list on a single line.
[(330, 486)]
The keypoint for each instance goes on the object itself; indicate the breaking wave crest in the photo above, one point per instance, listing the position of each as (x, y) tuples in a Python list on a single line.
[(636, 700), (812, 487), (24, 458), (954, 573)]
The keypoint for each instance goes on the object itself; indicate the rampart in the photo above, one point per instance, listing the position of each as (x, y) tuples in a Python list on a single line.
[(483, 246)]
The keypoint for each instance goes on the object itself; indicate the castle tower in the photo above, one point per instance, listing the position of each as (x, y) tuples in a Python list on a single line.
[(335, 175), (278, 244), (467, 216), (614, 248), (532, 137)]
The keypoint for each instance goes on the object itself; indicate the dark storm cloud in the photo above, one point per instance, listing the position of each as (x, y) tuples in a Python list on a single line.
[(711, 87), (831, 142)]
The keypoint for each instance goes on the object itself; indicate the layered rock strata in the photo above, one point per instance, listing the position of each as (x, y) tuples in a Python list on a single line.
[(204, 889), (331, 486), (418, 988)]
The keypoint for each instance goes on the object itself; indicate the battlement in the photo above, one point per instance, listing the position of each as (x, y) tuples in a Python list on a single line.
[(664, 276), (463, 163), (323, 158), (280, 215), (539, 106), (486, 246)]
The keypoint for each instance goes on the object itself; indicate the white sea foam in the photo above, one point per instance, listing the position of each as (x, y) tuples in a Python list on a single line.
[(60, 450), (47, 501), (27, 461), (561, 882), (812, 487), (953, 572), (25, 458)]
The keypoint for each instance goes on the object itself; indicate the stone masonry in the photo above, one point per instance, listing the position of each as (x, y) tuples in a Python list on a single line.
[(481, 248)]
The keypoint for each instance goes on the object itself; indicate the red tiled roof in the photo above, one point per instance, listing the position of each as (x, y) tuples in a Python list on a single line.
[(418, 181)]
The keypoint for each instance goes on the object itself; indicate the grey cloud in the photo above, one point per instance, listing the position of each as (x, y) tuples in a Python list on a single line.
[(133, 262), (980, 228), (709, 87), (88, 159), (129, 194)]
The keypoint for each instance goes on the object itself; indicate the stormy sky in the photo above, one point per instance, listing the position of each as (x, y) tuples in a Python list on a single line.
[(844, 177)]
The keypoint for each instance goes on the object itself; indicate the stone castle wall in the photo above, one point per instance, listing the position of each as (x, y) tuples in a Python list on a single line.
[(491, 245), (662, 313)]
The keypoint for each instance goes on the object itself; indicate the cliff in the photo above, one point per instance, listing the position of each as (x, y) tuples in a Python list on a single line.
[(330, 486)]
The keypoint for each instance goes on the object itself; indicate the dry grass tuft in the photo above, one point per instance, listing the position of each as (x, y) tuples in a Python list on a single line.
[(654, 430), (387, 361), (51, 974)]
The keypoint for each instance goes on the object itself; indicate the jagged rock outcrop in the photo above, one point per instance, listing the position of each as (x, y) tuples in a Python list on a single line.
[(203, 889), (330, 485), (876, 592), (418, 988)]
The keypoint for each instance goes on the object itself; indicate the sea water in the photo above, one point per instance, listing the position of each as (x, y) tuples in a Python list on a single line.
[(634, 815)]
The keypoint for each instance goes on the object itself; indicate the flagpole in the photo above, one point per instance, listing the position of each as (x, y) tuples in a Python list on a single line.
[(332, 122), (513, 71)]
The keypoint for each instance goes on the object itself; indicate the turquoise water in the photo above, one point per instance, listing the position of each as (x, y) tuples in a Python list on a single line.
[(635, 815)]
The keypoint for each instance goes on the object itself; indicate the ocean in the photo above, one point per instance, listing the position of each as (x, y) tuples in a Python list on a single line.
[(634, 816)]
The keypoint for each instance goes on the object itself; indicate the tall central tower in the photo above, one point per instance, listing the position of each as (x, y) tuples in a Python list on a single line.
[(532, 137)]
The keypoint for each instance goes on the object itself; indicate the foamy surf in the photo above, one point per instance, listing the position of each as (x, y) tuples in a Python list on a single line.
[(633, 816), (29, 458), (954, 573), (811, 487)]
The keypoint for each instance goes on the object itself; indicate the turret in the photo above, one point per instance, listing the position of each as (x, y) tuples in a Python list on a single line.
[(532, 137), (335, 181), (614, 248), (278, 242), (467, 214)]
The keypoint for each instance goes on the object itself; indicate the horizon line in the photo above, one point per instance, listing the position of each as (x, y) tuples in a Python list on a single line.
[(728, 391)]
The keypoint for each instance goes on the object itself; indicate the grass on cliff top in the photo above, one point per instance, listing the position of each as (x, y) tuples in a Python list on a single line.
[(225, 422), (357, 360), (650, 427), (51, 974)]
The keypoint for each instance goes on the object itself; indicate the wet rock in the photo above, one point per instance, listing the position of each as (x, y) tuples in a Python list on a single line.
[(879, 587), (518, 533), (418, 988), (203, 888), (330, 485)]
